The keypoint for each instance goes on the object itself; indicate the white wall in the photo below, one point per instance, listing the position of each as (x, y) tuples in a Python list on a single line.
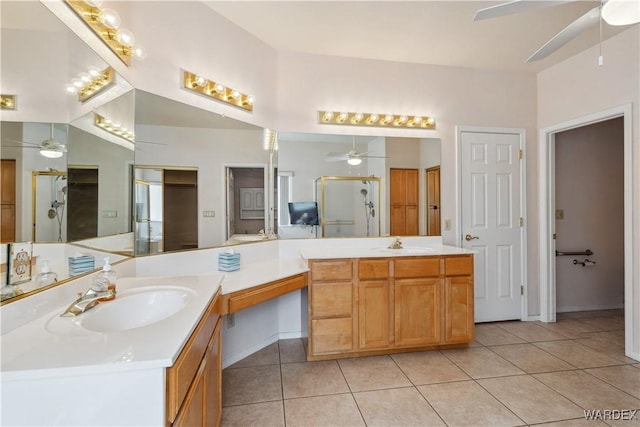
[(578, 87), (589, 190)]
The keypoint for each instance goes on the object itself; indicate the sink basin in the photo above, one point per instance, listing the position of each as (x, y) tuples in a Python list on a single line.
[(415, 250), (134, 308)]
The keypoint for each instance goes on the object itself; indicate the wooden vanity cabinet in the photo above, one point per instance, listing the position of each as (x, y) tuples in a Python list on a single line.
[(194, 386), (384, 305)]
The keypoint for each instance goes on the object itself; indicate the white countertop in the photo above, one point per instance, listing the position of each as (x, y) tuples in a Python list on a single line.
[(382, 252), (260, 273), (56, 346)]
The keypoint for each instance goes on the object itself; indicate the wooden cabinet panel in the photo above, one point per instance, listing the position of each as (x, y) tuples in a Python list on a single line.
[(331, 270), (373, 269), (8, 198), (458, 266), (416, 267), (433, 201), (411, 187), (192, 412), (411, 221), (331, 335), (458, 306), (373, 314), (404, 202), (397, 182), (397, 221), (8, 228), (331, 300), (213, 385), (417, 312)]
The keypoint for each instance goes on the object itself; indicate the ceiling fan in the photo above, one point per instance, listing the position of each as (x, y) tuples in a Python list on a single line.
[(613, 12), (353, 157), (48, 148)]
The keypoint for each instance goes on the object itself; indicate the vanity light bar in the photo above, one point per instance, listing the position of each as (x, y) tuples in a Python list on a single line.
[(8, 102), (373, 119), (113, 128), (91, 83), (217, 91), (91, 14)]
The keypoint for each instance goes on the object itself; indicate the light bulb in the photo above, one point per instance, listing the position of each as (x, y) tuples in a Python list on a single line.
[(109, 18), (85, 77), (373, 118), (388, 118), (327, 116), (431, 121), (94, 3), (250, 100), (199, 81), (403, 119), (77, 83), (357, 118), (125, 37), (621, 12), (354, 161), (95, 72), (342, 117), (417, 120), (218, 88), (139, 52), (234, 94), (70, 88)]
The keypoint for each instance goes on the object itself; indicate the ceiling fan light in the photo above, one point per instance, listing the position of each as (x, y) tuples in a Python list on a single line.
[(621, 12), (354, 161), (50, 153)]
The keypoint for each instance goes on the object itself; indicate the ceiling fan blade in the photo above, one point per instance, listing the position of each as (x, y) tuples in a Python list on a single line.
[(24, 142), (514, 6), (336, 157), (570, 32)]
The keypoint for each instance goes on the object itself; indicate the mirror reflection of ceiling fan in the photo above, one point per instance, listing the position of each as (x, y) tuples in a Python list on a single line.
[(613, 12), (48, 148), (353, 156)]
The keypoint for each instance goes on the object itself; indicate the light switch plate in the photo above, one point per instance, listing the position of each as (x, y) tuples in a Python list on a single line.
[(559, 213), (209, 214)]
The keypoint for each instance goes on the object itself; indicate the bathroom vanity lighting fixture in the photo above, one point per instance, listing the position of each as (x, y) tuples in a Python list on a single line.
[(373, 119), (91, 83), (113, 128), (270, 140), (217, 90), (8, 102), (105, 23)]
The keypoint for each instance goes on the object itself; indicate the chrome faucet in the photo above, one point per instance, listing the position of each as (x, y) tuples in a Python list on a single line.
[(397, 244), (87, 301)]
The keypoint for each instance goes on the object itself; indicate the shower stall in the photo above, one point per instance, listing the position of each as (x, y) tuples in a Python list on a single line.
[(49, 202), (348, 206)]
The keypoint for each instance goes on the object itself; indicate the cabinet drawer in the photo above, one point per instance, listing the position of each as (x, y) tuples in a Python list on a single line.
[(458, 266), (331, 270), (181, 374), (373, 269), (331, 300), (416, 267), (332, 335)]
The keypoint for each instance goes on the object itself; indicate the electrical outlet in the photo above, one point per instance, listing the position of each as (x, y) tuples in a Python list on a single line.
[(559, 213), (447, 225), (231, 320), (209, 214)]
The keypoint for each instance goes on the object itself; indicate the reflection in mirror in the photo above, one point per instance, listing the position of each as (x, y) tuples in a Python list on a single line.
[(174, 136), (303, 159)]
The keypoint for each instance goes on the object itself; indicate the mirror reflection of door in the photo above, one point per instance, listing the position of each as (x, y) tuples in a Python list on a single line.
[(246, 200), (82, 198), (231, 230), (180, 209), (8, 194), (142, 221), (433, 201), (404, 202)]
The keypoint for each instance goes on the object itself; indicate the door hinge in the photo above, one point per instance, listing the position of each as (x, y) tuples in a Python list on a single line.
[(521, 222), (520, 154), (521, 290), (554, 236)]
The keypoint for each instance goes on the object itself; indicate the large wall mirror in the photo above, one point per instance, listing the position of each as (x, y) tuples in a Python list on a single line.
[(78, 191), (364, 171)]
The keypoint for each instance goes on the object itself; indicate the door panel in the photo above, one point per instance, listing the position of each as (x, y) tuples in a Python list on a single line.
[(490, 192)]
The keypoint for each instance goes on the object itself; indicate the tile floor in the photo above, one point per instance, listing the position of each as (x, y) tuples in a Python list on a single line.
[(514, 373)]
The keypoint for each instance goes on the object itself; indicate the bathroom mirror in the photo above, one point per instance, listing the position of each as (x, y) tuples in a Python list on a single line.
[(303, 159), (172, 136)]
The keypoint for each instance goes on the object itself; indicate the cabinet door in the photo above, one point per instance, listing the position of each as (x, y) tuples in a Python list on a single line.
[(373, 314), (213, 389), (417, 312), (458, 309), (331, 335), (192, 411)]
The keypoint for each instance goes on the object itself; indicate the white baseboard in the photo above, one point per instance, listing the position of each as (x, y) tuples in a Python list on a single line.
[(592, 307), (535, 318), (234, 358)]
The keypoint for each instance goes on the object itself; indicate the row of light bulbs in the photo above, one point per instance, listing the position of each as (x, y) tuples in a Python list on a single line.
[(217, 91), (91, 82), (113, 128), (8, 102), (373, 119)]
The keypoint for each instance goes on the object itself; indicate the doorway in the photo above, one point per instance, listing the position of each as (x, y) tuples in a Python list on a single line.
[(82, 197), (246, 195), (433, 201)]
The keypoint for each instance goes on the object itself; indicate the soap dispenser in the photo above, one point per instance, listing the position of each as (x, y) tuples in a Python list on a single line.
[(46, 276), (105, 280)]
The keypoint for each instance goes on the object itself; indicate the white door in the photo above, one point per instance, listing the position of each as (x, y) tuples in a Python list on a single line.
[(231, 212), (491, 221)]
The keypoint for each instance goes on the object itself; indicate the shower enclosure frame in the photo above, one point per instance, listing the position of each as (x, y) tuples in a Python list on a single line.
[(321, 197), (34, 178)]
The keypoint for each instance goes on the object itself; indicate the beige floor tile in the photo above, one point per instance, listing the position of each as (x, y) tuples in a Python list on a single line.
[(255, 414), (607, 348), (292, 351), (312, 379), (481, 363), (627, 420), (530, 358), (491, 334), (372, 373), (605, 323), (531, 400), (587, 391), (396, 407), (571, 328), (334, 410), (270, 355), (251, 385), (577, 354), (577, 422), (428, 367), (614, 337), (530, 332), (625, 377), (465, 403), (637, 365)]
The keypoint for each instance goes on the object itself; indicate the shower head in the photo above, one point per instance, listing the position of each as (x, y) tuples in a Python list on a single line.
[(364, 192)]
